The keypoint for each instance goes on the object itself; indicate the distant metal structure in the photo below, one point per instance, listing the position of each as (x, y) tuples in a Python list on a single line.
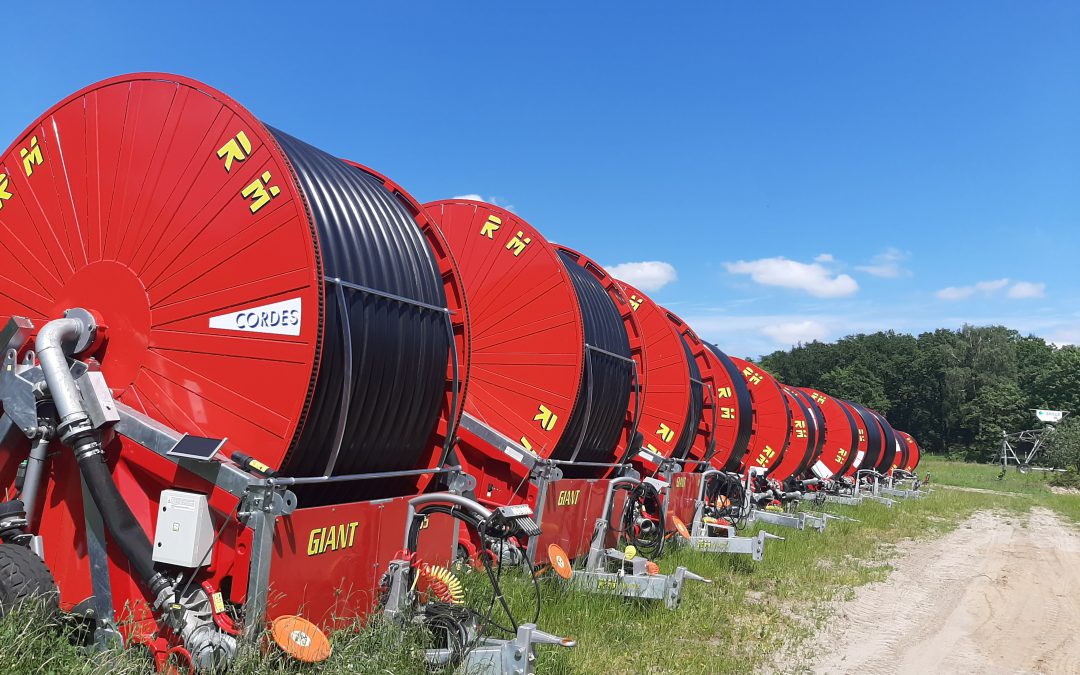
[(1022, 447)]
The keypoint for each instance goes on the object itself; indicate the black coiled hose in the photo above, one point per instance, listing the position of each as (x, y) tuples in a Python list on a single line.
[(694, 410), (741, 393), (725, 497), (644, 505), (383, 363), (592, 432)]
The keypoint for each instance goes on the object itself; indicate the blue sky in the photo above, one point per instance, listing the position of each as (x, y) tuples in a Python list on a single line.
[(786, 171)]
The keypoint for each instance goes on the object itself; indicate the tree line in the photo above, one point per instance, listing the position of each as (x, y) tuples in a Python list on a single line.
[(955, 391)]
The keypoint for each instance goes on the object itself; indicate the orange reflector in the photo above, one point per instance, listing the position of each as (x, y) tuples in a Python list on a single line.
[(680, 527), (301, 639), (559, 562)]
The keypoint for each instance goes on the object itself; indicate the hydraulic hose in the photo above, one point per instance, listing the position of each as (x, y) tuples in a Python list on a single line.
[(119, 520)]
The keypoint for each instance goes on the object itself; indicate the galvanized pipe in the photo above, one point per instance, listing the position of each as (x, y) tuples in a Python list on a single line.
[(50, 353)]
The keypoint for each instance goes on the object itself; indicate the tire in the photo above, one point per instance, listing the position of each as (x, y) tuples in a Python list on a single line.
[(1024, 468), (25, 577)]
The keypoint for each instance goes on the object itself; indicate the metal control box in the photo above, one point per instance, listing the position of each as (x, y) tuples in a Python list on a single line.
[(185, 532)]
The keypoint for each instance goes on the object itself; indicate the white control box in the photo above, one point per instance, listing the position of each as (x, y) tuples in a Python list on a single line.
[(184, 531)]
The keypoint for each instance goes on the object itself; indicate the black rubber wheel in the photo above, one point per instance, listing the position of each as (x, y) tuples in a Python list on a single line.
[(25, 577), (1024, 468)]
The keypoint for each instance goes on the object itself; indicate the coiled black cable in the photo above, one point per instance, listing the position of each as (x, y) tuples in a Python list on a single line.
[(694, 410), (592, 432), (382, 373)]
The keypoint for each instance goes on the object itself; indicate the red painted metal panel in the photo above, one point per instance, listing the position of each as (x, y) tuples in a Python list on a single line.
[(863, 440), (838, 453), (527, 343), (667, 392), (127, 209), (772, 421), (797, 453), (328, 560)]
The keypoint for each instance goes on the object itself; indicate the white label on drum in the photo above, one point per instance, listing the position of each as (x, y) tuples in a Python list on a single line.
[(858, 458), (822, 471), (280, 318)]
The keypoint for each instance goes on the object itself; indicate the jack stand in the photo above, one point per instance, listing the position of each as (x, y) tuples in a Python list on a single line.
[(903, 494), (846, 500), (896, 480), (638, 582), (875, 490), (728, 542), (796, 521)]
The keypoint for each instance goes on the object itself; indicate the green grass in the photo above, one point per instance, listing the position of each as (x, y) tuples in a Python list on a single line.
[(754, 617)]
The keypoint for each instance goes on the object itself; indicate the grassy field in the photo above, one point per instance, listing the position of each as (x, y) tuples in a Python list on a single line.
[(755, 616)]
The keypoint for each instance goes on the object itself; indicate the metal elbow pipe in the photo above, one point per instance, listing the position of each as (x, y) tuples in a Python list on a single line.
[(77, 331), (50, 352)]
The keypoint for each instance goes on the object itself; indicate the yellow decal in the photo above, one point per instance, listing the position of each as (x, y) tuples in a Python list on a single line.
[(568, 497), (751, 376), (526, 444), (680, 481), (31, 156), (723, 392), (332, 538), (818, 397), (727, 413), (4, 194), (492, 224), (767, 454), (219, 604), (800, 429), (841, 455), (546, 418), (236, 150), (665, 432), (259, 193), (635, 302), (518, 243)]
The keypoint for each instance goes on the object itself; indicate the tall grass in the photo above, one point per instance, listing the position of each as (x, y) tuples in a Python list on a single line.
[(754, 617)]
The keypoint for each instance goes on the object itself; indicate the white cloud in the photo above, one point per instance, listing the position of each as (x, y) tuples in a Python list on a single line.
[(648, 276), (796, 332), (814, 278), (497, 201), (886, 264), (1020, 290), (1027, 289), (954, 293), (824, 258)]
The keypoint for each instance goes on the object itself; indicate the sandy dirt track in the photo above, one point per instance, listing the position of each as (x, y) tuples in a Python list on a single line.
[(1001, 594)]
